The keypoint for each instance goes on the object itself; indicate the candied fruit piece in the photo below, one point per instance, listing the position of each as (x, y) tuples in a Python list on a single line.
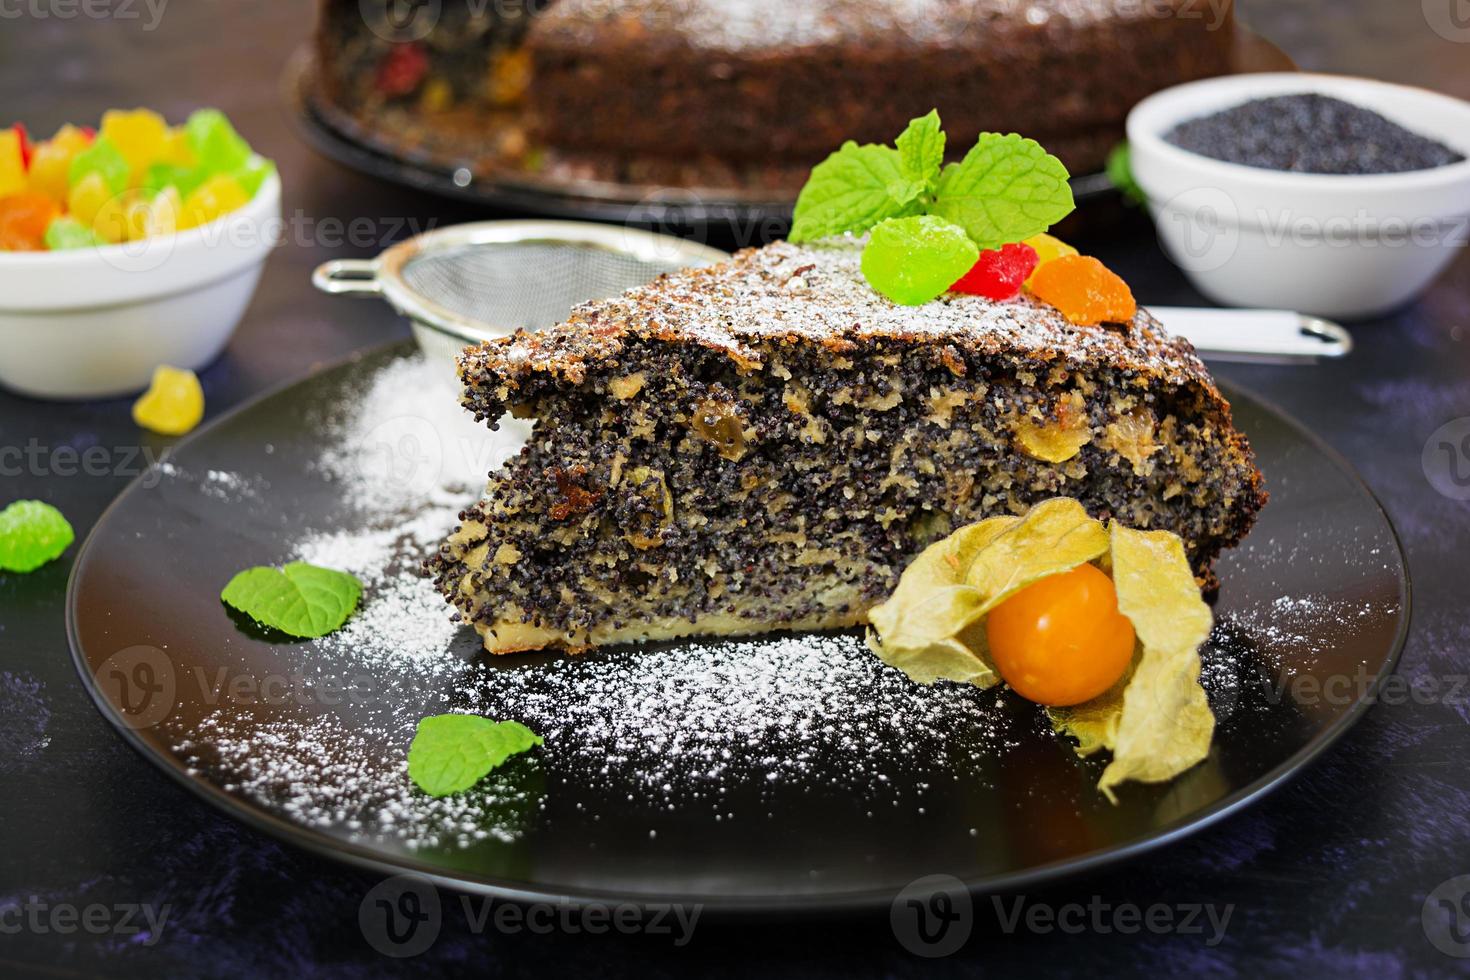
[(913, 260), (172, 405), (111, 220), (402, 68), (1084, 290), (437, 95), (69, 233), (12, 162), (255, 172), (24, 218), (50, 171), (184, 179), (217, 148), (25, 144), (1047, 248), (216, 197), (32, 533), (103, 158), (998, 273), (87, 197), (140, 135), (149, 217), (176, 149)]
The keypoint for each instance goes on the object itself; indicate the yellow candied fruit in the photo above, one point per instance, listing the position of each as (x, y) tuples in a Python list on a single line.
[(216, 197), (176, 149), (87, 197), (140, 135), (437, 96), (149, 219), (51, 162), (111, 220), (172, 405), (12, 164), (1047, 248), (1084, 290)]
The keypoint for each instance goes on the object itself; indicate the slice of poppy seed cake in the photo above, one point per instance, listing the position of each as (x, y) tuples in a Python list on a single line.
[(765, 444)]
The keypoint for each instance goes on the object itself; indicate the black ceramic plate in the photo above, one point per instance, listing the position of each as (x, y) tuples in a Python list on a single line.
[(343, 140), (745, 777)]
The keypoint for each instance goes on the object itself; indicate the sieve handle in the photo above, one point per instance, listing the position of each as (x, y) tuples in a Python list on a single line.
[(349, 277)]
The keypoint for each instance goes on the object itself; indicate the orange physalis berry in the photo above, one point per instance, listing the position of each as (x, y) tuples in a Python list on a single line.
[(1084, 290)]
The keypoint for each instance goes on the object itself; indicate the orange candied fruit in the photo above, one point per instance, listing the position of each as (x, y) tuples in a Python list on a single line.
[(1084, 290), (23, 221)]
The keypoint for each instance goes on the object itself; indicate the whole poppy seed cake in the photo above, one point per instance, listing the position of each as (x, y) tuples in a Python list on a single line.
[(765, 444)]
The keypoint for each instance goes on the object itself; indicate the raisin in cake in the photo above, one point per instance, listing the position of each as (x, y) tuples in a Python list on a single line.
[(765, 444)]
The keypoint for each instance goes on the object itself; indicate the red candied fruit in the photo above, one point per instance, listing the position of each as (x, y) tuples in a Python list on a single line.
[(402, 68), (999, 273), (25, 145)]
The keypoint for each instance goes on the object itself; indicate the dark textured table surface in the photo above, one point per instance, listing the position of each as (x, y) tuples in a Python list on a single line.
[(1328, 875)]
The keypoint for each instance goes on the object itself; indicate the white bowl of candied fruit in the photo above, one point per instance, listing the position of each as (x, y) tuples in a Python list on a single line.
[(116, 258), (1335, 196)]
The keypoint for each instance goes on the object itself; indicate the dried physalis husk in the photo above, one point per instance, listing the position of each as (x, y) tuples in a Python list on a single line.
[(924, 627), (1156, 719)]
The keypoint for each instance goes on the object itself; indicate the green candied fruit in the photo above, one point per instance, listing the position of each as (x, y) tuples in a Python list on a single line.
[(217, 147), (32, 533), (913, 260), (255, 172), (161, 175), (101, 157), (68, 233)]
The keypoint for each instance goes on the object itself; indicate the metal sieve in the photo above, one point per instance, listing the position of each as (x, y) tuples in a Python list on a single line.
[(468, 283)]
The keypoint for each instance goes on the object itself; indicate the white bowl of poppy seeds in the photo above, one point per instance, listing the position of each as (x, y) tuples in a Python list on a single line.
[(1335, 196)]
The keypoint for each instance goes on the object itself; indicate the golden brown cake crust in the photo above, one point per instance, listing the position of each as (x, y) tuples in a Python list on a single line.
[(817, 292)]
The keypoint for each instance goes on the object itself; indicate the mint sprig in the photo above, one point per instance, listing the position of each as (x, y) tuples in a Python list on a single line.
[(298, 599), (1007, 188), (32, 533), (921, 150), (853, 190), (451, 753)]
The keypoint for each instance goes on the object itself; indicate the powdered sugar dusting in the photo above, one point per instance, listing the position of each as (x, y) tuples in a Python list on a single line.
[(818, 292), (740, 25), (670, 728)]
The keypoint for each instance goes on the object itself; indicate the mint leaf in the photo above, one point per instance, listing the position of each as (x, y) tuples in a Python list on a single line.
[(852, 190), (1007, 188), (300, 599), (451, 753), (913, 260), (32, 533), (921, 150)]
